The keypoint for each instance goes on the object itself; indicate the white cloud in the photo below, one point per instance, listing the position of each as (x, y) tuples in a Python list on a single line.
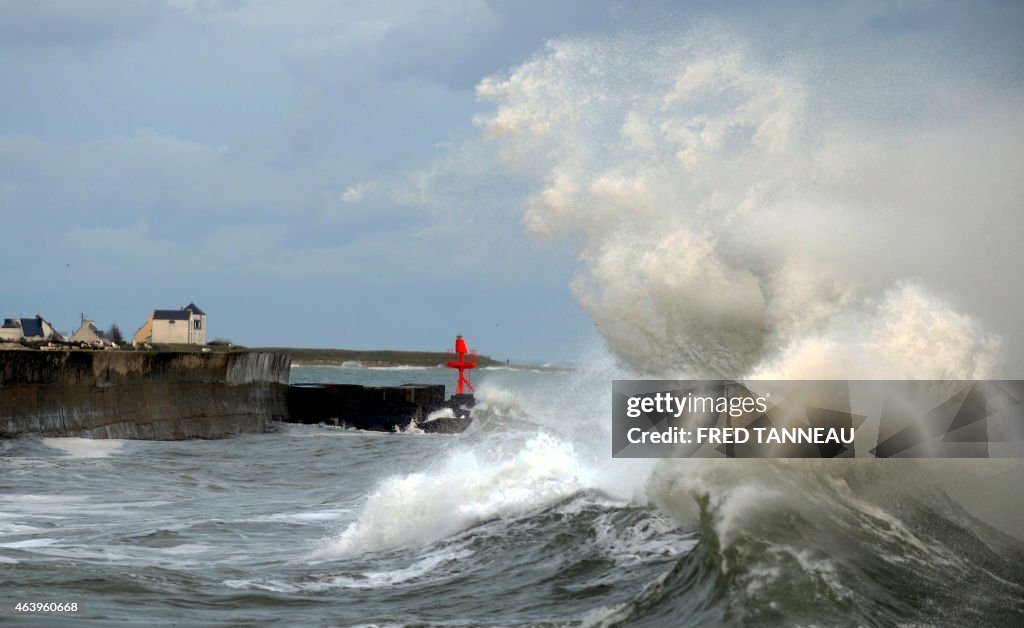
[(353, 193)]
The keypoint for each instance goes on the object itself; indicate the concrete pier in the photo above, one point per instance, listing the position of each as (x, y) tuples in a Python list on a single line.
[(365, 407), (141, 395), (182, 395), (381, 408)]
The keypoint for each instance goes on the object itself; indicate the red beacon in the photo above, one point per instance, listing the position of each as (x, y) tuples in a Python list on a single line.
[(464, 360)]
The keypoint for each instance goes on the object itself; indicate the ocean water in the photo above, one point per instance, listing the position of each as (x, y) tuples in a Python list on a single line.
[(522, 520)]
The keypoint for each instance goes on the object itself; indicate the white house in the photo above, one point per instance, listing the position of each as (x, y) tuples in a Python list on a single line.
[(186, 325), (11, 329), (32, 329)]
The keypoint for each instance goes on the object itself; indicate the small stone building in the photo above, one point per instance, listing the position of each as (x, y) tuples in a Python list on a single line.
[(88, 333)]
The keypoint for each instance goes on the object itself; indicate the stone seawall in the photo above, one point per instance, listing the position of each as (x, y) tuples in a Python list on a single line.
[(139, 395)]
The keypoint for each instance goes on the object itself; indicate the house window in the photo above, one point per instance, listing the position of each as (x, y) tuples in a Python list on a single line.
[(198, 323)]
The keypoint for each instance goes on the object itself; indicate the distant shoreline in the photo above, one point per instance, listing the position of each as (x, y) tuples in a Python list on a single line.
[(389, 358), (307, 356), (398, 365)]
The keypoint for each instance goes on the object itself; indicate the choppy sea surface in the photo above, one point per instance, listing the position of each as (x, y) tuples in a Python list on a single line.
[(523, 520)]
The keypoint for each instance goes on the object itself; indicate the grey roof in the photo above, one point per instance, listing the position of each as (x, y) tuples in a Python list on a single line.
[(195, 309), (32, 327), (170, 315)]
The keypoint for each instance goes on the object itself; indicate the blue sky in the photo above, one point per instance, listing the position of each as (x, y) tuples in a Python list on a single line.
[(288, 165)]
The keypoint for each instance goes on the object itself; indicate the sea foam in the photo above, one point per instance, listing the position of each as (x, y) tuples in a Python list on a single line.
[(467, 488), (86, 447)]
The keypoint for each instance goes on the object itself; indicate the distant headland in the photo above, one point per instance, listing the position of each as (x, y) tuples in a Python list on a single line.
[(300, 356)]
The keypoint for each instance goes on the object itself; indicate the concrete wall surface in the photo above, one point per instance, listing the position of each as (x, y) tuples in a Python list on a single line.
[(140, 395)]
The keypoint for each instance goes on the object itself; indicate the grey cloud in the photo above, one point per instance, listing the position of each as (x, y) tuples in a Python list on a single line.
[(55, 22)]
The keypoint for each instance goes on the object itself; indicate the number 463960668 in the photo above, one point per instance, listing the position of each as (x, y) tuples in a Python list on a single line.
[(46, 607)]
